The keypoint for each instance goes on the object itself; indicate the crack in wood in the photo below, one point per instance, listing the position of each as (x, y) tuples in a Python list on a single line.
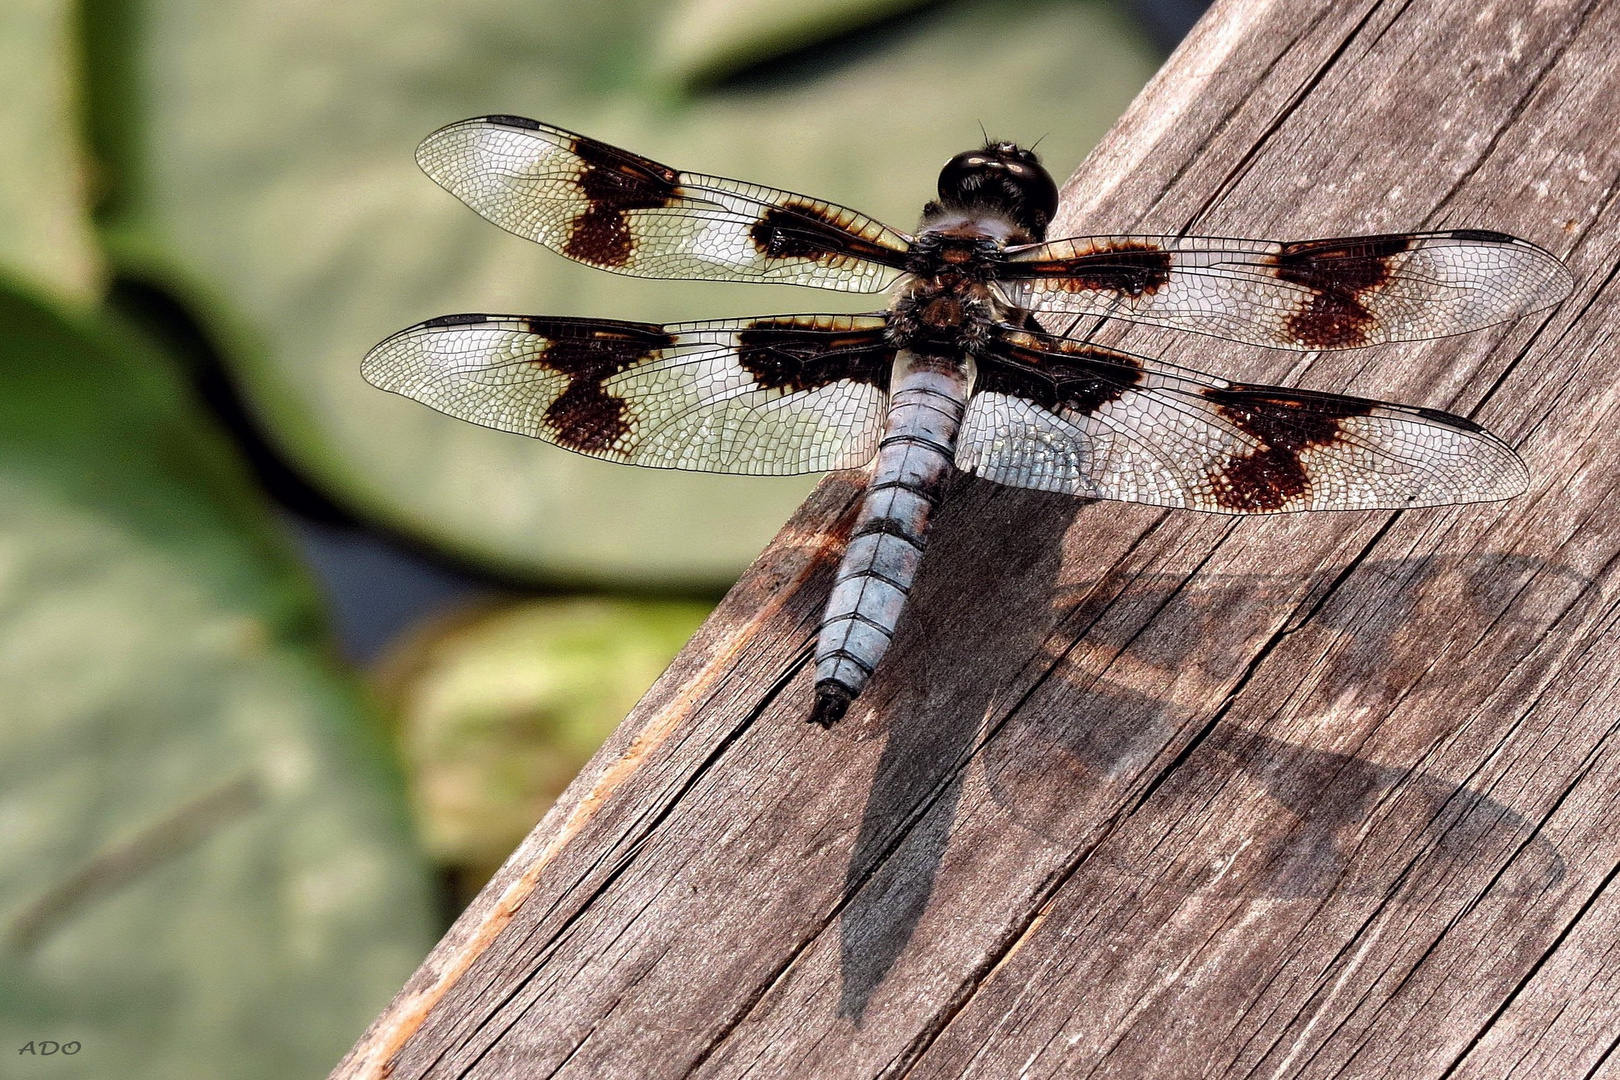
[(1219, 127), (904, 1063), (790, 671), (1389, 24), (1534, 969), (1515, 112), (1603, 1059), (1240, 167)]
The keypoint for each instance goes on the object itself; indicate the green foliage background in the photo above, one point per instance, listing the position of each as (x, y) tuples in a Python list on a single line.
[(207, 861)]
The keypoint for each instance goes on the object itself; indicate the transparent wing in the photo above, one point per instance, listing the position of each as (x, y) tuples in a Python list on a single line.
[(1311, 294), (618, 211), (1058, 414), (767, 396)]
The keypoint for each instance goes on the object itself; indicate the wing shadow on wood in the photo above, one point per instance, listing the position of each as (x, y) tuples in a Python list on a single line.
[(1443, 593), (1334, 797), (1328, 802), (971, 622), (1335, 801)]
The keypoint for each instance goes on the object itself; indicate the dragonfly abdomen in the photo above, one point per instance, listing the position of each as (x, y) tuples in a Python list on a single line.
[(927, 398)]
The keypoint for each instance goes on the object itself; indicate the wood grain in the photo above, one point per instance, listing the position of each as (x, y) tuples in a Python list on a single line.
[(1149, 793)]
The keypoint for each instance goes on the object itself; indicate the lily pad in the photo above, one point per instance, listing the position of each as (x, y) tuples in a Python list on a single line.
[(46, 236), (205, 867), (498, 708), (277, 191)]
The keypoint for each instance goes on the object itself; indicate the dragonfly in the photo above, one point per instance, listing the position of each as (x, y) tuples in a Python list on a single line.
[(963, 369)]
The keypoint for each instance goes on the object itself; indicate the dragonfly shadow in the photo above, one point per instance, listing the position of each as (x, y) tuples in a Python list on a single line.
[(1341, 805), (1336, 822), (1330, 821), (1438, 591), (933, 702)]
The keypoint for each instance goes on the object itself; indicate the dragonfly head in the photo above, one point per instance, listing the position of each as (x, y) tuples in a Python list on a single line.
[(1001, 178)]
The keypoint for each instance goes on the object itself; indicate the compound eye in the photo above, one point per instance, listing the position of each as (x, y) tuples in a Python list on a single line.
[(1003, 179), (959, 177), (1037, 187)]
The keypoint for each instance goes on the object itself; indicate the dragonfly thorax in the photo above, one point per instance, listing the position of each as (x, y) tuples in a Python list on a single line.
[(944, 313)]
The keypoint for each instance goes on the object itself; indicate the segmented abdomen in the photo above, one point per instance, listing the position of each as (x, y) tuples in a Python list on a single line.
[(927, 397)]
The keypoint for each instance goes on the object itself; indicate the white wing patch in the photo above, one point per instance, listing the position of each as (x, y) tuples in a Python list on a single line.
[(609, 208), (1312, 294), (767, 396), (1103, 424)]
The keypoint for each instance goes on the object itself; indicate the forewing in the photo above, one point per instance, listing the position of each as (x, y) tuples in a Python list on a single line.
[(768, 396), (1060, 415), (615, 210), (1311, 294)]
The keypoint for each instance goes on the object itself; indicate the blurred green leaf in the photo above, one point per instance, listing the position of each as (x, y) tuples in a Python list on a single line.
[(276, 190), (498, 709), (204, 864), (45, 232), (703, 41)]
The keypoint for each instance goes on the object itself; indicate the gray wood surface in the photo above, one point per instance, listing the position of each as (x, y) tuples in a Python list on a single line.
[(1147, 793)]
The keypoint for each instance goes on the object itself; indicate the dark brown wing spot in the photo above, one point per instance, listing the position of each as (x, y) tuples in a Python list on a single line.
[(615, 181), (1263, 480), (585, 417), (1270, 477), (792, 355), (1057, 374), (1130, 268), (1339, 273), (805, 230)]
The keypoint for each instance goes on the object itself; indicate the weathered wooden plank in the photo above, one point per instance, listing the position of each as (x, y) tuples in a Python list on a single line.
[(1147, 793)]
